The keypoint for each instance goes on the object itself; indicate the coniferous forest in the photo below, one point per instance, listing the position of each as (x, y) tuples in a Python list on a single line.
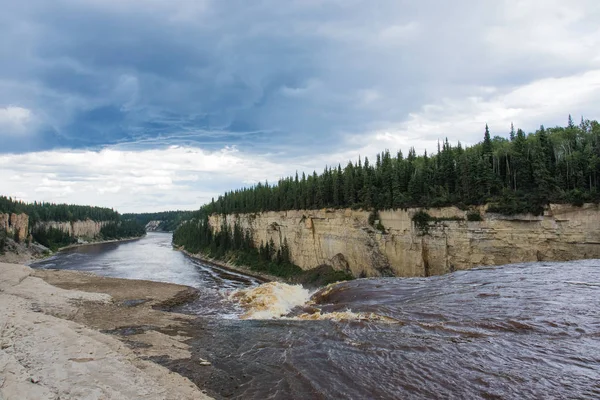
[(236, 245), (514, 173), (116, 226), (169, 219), (519, 173), (41, 211)]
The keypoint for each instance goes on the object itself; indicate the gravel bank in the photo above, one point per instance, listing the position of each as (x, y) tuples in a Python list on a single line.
[(51, 346)]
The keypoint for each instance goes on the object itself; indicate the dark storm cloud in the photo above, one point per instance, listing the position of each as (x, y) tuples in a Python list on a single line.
[(268, 76), (104, 73)]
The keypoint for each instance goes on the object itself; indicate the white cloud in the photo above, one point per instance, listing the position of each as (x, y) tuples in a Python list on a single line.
[(187, 177), (15, 120), (546, 101), (133, 181), (548, 29)]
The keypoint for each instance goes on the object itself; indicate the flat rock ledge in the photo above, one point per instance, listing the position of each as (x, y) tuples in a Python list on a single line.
[(52, 344)]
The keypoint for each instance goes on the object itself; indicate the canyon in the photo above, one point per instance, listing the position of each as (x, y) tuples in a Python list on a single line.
[(17, 244), (393, 245), (85, 230), (17, 226)]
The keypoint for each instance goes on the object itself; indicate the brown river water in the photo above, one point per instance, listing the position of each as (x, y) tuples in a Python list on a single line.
[(516, 331)]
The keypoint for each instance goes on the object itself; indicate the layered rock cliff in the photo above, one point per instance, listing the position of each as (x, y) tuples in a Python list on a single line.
[(87, 229), (15, 225), (346, 240)]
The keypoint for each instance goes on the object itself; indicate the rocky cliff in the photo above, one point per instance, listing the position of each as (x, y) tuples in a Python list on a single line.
[(15, 225), (18, 224), (87, 229), (153, 226), (346, 240)]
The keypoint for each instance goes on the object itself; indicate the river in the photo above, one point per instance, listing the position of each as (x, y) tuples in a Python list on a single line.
[(517, 331)]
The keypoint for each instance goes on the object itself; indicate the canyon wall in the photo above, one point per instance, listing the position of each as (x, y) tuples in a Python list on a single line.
[(346, 240), (15, 225), (86, 229), (153, 226)]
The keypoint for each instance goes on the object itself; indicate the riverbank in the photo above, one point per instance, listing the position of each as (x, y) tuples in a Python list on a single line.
[(317, 277), (75, 245), (68, 334), (21, 253), (232, 267)]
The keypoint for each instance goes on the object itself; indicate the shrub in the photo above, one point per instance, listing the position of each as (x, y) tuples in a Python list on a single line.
[(474, 216), (2, 242), (375, 221), (421, 220)]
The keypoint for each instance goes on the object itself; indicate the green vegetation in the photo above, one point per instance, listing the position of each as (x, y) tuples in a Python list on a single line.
[(521, 173), (2, 242), (375, 221), (518, 174), (474, 216), (236, 246), (422, 219), (53, 238), (40, 211), (122, 229), (170, 219)]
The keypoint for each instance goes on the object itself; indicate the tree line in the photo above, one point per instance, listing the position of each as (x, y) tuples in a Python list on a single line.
[(517, 173), (115, 227), (170, 220), (236, 245), (42, 211)]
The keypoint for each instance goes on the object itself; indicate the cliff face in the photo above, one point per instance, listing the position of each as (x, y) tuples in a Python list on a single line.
[(18, 224), (15, 225), (86, 229), (153, 226), (345, 239)]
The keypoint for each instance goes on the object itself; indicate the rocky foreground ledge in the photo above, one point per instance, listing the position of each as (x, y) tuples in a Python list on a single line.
[(55, 341)]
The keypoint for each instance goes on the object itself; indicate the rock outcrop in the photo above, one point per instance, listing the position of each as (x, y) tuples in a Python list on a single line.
[(346, 240), (86, 229), (153, 226), (51, 347), (15, 225)]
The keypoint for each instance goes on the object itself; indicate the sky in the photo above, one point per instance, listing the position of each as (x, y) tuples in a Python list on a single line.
[(149, 105)]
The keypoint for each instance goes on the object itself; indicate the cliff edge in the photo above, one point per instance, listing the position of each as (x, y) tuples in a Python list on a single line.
[(394, 245)]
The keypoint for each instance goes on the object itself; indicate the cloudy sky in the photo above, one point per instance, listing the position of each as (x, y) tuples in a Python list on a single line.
[(147, 105)]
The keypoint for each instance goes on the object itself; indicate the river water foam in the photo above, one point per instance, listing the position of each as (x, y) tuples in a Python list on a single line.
[(517, 331)]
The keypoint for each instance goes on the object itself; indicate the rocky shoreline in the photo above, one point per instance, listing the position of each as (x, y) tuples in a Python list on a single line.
[(232, 267), (20, 253), (75, 245), (66, 334)]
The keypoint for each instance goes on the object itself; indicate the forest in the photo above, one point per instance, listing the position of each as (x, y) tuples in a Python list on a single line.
[(237, 245), (170, 220), (514, 174), (199, 237), (41, 211), (116, 226), (54, 238), (519, 173)]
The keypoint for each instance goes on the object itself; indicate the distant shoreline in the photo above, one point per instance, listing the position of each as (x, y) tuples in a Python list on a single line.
[(76, 245)]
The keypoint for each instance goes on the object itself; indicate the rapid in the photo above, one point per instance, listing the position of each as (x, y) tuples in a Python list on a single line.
[(516, 331)]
